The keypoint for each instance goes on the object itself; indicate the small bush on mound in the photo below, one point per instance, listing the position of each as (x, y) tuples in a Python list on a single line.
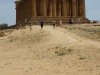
[(2, 34), (82, 58), (63, 51)]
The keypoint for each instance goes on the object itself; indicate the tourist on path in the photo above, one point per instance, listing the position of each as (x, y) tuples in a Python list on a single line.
[(60, 23), (30, 25), (54, 24), (70, 21), (41, 23)]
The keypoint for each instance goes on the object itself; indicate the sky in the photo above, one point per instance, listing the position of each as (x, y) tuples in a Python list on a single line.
[(8, 12)]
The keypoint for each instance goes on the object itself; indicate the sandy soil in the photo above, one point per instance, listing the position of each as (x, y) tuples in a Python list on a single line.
[(90, 31), (49, 51)]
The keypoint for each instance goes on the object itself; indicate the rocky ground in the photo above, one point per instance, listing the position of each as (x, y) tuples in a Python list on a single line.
[(67, 50)]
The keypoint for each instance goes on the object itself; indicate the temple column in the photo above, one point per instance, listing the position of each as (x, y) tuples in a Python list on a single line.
[(70, 8), (54, 8), (41, 7), (49, 8), (44, 7), (59, 8), (34, 8), (74, 6), (64, 9), (77, 8), (67, 6), (83, 8)]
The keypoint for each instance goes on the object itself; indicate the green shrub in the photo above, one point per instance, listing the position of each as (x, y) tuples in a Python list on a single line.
[(3, 26)]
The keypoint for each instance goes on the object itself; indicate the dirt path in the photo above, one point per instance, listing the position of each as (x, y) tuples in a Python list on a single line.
[(48, 52)]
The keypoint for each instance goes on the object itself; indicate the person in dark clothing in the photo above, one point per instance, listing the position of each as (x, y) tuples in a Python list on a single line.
[(30, 25), (41, 23), (70, 21), (54, 24)]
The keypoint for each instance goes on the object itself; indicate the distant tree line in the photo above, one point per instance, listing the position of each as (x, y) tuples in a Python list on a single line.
[(3, 26)]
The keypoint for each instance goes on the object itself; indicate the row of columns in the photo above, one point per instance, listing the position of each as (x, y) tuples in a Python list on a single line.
[(56, 8)]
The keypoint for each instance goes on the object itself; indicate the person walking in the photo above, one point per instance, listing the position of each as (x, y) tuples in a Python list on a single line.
[(54, 23), (60, 23), (41, 23), (30, 25), (70, 21), (79, 22)]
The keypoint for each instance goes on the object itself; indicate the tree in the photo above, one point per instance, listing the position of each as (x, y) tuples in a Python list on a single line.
[(3, 26)]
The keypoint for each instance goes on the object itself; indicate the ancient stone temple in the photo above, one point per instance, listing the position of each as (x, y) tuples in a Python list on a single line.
[(49, 10)]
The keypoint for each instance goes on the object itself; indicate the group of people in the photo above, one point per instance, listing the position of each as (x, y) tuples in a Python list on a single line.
[(54, 22)]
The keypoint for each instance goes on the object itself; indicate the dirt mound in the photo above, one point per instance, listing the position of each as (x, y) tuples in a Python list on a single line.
[(86, 31), (50, 51)]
